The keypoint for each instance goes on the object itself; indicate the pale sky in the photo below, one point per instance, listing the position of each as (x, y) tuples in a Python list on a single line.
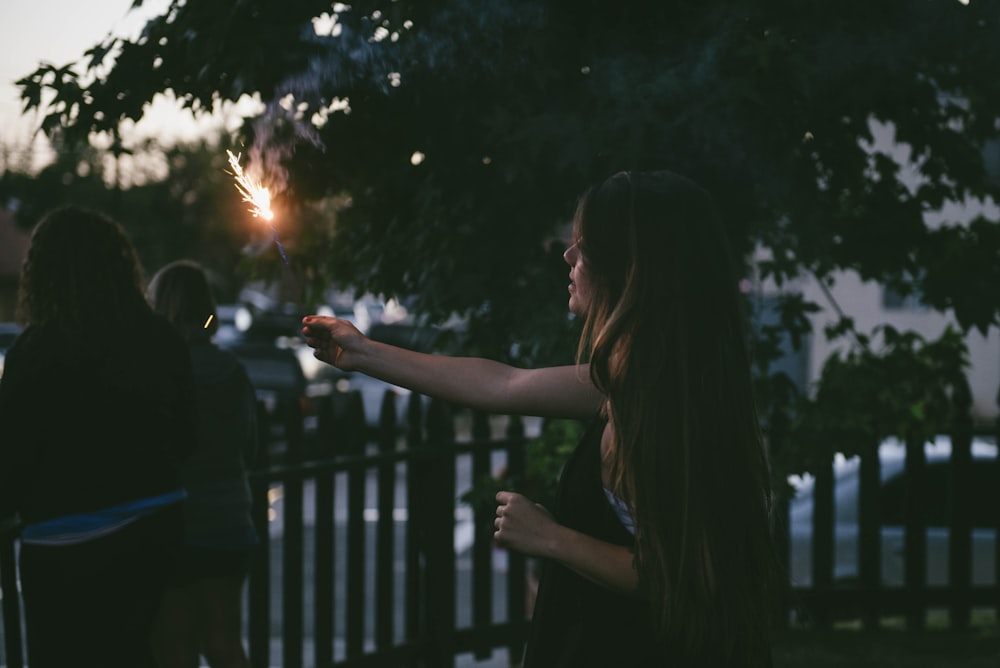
[(58, 32)]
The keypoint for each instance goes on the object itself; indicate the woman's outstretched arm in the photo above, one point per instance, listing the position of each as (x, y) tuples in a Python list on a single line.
[(563, 391)]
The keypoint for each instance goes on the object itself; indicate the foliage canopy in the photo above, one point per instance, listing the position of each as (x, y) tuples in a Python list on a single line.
[(515, 105)]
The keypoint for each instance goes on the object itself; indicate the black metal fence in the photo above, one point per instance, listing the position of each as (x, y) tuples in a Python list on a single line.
[(358, 566)]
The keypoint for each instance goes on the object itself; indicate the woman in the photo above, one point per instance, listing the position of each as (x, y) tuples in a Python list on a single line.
[(202, 611), (97, 407), (658, 552)]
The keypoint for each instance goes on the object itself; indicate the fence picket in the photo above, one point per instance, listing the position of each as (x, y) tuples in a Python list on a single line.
[(385, 545), (960, 532), (437, 528), (482, 547), (915, 532), (823, 537), (518, 607), (415, 588), (869, 533)]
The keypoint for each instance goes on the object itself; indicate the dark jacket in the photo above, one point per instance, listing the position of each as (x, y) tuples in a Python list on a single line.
[(88, 427), (578, 623)]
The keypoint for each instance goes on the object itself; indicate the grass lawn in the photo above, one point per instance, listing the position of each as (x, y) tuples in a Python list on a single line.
[(891, 646)]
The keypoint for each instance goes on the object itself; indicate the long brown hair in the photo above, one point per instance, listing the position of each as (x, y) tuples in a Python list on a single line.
[(667, 343), (82, 274)]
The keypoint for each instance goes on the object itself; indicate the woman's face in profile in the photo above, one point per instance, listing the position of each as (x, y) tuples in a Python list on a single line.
[(579, 280)]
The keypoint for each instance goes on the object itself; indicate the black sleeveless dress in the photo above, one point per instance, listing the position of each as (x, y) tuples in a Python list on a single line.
[(577, 623)]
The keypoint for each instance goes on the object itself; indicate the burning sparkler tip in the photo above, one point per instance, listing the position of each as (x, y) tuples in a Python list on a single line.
[(252, 190)]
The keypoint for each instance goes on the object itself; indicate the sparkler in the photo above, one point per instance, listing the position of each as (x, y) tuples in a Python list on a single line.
[(258, 197)]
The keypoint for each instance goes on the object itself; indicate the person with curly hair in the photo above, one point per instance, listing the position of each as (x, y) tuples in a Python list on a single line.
[(97, 403), (658, 550)]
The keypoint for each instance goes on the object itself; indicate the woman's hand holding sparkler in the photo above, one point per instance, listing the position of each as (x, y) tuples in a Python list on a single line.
[(476, 382), (334, 341)]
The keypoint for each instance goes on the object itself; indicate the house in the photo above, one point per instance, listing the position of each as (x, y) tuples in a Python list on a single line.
[(870, 304)]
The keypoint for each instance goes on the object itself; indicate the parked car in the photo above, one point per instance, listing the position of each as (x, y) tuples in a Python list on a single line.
[(985, 504), (8, 332)]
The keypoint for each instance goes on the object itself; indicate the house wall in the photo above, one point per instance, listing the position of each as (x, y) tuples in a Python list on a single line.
[(863, 300)]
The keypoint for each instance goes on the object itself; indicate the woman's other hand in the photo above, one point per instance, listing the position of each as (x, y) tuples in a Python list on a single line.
[(523, 525), (527, 527)]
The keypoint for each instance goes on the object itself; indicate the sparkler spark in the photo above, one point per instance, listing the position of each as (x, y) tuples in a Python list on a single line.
[(253, 192), (259, 198), (209, 321)]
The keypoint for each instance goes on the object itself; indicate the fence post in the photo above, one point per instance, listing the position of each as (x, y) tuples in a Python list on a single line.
[(869, 532), (517, 574), (915, 532), (482, 546), (328, 433), (822, 538), (292, 579), (960, 533), (355, 621), (385, 529), (259, 589), (777, 443), (780, 528), (438, 529), (416, 579)]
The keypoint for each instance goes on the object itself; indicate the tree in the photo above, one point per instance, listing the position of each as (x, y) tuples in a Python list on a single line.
[(458, 133)]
